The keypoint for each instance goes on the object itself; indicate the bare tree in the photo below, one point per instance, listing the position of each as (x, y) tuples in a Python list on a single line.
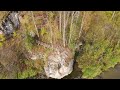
[(60, 18), (77, 14), (67, 18), (34, 23), (64, 24), (113, 15), (82, 23), (71, 26), (51, 33)]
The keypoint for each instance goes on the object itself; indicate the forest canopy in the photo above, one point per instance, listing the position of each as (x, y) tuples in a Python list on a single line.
[(31, 42)]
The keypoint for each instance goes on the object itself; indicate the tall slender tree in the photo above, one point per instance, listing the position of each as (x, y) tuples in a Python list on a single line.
[(34, 23), (64, 24)]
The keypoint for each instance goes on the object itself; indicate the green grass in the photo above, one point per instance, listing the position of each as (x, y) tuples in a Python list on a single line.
[(29, 42), (27, 73)]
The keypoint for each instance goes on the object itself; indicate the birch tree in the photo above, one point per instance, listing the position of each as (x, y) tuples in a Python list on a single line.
[(82, 23), (71, 26), (64, 21), (60, 18)]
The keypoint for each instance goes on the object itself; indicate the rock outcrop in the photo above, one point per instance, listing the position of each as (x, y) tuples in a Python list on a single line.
[(10, 23), (59, 63), (35, 55)]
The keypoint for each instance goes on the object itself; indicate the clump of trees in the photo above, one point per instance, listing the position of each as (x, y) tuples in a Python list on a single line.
[(102, 48)]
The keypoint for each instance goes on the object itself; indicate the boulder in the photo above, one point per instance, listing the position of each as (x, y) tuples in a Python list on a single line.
[(8, 27), (59, 63), (1, 32), (14, 18), (35, 56), (10, 23)]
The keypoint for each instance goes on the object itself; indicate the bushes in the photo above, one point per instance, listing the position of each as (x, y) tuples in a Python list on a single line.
[(94, 61), (26, 73), (32, 68)]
